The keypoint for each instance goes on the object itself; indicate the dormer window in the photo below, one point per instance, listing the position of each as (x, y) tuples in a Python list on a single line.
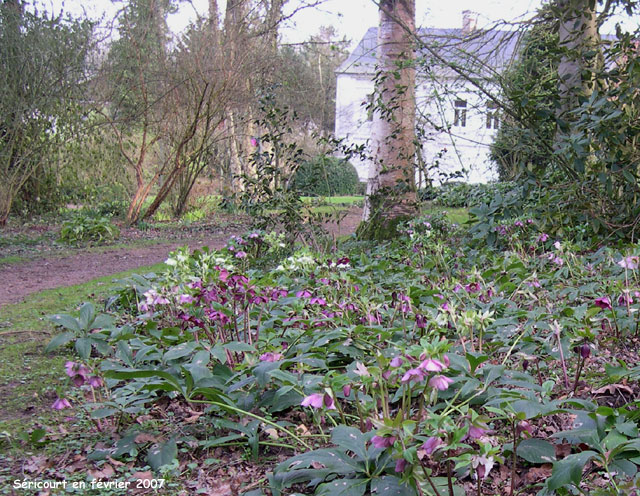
[(460, 113), (493, 116)]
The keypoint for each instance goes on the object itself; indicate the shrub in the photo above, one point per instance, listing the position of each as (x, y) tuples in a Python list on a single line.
[(326, 176), (84, 227)]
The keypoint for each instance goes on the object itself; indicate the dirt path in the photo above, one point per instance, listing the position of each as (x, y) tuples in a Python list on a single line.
[(22, 279)]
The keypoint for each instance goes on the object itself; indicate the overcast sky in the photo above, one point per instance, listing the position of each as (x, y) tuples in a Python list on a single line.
[(350, 17)]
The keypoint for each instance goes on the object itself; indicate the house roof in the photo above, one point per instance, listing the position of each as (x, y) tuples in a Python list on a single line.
[(483, 51)]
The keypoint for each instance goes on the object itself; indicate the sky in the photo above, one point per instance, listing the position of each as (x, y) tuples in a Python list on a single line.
[(351, 18)]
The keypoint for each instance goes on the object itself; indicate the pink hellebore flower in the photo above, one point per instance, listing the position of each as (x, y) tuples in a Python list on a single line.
[(361, 370), (440, 382), (396, 362), (270, 357), (61, 404), (346, 390), (432, 365), (603, 302), (383, 442), (305, 293), (412, 375), (629, 262), (432, 444), (241, 254), (185, 298), (318, 400)]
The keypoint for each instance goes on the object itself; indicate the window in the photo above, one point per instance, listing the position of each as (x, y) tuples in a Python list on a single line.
[(493, 116), (460, 113)]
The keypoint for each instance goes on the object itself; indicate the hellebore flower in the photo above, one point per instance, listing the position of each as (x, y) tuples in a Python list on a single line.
[(383, 442), (346, 390), (476, 432), (270, 357), (524, 426), (305, 293), (361, 370), (440, 382), (241, 254), (482, 465), (629, 262), (185, 298), (94, 381), (401, 464), (318, 400), (603, 302), (432, 365), (61, 404), (543, 238), (432, 444), (396, 362), (412, 375)]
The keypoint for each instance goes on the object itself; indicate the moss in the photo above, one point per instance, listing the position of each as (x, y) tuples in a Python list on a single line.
[(380, 228)]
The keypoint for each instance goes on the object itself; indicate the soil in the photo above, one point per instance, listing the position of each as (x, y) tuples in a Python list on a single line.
[(49, 271)]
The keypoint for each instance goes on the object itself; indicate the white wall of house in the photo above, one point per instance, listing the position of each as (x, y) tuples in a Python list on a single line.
[(456, 145), (463, 148)]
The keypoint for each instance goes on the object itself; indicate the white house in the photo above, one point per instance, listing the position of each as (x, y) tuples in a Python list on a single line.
[(457, 119)]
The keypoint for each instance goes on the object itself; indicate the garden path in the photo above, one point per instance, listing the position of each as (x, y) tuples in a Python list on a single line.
[(18, 280)]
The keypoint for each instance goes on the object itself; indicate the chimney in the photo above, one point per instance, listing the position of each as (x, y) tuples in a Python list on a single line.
[(469, 21)]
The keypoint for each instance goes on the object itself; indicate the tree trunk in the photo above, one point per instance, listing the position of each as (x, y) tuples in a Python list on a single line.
[(391, 195), (577, 36)]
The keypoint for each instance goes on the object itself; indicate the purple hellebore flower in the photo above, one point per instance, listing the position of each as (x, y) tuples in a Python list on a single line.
[(94, 381), (318, 300), (346, 390), (305, 293), (61, 404), (78, 380), (604, 302), (412, 375), (383, 442), (421, 321), (432, 365), (185, 298), (241, 254), (625, 299), (432, 444), (524, 426), (270, 357), (401, 464), (476, 432), (440, 382), (396, 362), (543, 238)]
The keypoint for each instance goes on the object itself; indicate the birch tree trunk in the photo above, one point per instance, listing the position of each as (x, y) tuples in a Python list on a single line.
[(391, 195)]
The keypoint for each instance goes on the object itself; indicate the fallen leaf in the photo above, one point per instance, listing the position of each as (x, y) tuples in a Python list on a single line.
[(36, 464), (272, 433), (145, 437), (535, 474), (143, 475), (613, 389), (105, 472)]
